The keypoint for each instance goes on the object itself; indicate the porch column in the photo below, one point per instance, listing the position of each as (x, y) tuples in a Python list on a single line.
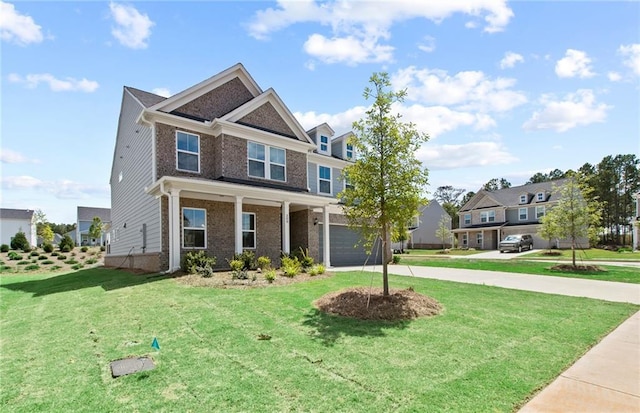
[(174, 230), (286, 239), (238, 225), (325, 235)]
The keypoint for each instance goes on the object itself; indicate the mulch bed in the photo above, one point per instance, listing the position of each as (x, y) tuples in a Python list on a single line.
[(579, 268), (256, 279), (369, 304)]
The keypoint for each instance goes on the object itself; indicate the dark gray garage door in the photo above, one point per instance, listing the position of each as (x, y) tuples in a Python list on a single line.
[(342, 248)]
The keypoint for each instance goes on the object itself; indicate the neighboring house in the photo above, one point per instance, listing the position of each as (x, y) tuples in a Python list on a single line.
[(422, 229), (636, 225), (84, 221), (13, 221), (56, 239), (489, 216), (224, 167)]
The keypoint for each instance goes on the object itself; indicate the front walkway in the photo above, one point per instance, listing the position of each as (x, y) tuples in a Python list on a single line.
[(606, 379)]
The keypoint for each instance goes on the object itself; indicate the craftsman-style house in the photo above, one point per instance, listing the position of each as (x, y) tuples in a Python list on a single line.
[(224, 167), (489, 216)]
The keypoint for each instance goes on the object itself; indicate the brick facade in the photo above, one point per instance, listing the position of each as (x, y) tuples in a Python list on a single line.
[(219, 101)]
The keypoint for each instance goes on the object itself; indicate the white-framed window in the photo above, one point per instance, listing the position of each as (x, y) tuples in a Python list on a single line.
[(349, 151), (464, 240), (540, 211), (479, 238), (194, 228), (187, 152), (324, 144), (266, 162), (488, 216), (540, 196), (523, 199), (347, 181), (324, 180), (467, 219), (522, 214), (248, 230)]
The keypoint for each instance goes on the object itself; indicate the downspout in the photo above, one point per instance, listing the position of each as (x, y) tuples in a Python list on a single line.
[(170, 216)]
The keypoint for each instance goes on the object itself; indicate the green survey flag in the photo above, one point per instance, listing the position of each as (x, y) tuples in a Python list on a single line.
[(155, 344)]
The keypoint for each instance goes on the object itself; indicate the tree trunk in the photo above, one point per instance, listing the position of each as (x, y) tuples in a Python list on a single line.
[(385, 260), (573, 251)]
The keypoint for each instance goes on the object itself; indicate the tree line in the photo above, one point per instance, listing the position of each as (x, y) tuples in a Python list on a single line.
[(612, 184)]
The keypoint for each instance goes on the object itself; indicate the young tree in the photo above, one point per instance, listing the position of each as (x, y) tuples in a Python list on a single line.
[(443, 232), (46, 233), (549, 228), (449, 198), (387, 179), (573, 216), (96, 228)]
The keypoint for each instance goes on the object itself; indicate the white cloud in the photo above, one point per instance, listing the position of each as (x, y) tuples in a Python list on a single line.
[(468, 90), (62, 189), (631, 53), (359, 26), (576, 109), (132, 28), (340, 122), (428, 44), (614, 76), (162, 91), (510, 59), (10, 156), (68, 84), (437, 157), (575, 63), (349, 50), (18, 28)]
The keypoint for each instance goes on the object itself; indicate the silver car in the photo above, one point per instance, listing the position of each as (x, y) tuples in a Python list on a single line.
[(517, 242)]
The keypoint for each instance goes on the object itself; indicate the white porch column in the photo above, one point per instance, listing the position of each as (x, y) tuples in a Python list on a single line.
[(286, 239), (238, 225), (325, 236), (174, 230)]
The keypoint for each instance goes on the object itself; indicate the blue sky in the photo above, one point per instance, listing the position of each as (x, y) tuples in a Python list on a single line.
[(504, 89)]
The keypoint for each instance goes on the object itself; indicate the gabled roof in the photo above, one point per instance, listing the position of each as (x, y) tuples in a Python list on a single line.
[(510, 197), (482, 194), (87, 213), (269, 96), (7, 213), (187, 95), (147, 99), (342, 137), (324, 126)]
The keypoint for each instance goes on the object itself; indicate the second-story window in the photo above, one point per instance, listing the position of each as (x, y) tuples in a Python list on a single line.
[(187, 152), (324, 144), (522, 214), (349, 151), (540, 212), (347, 181), (324, 180), (540, 196), (467, 219), (488, 216), (266, 162), (523, 199)]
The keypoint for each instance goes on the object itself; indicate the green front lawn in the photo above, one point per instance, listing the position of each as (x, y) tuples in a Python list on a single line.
[(611, 273), (439, 252), (591, 254), (490, 350)]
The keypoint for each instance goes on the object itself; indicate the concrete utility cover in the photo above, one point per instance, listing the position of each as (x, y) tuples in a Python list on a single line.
[(131, 365)]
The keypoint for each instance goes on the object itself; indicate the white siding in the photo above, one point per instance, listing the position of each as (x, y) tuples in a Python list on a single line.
[(10, 227), (131, 207)]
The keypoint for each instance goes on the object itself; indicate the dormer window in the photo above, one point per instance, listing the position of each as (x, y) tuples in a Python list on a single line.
[(324, 144), (523, 199), (349, 152), (540, 196)]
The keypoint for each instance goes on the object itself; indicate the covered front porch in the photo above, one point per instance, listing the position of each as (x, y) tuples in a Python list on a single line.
[(224, 219), (481, 237)]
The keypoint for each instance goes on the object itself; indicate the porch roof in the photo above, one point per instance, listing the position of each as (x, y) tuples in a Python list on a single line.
[(476, 227)]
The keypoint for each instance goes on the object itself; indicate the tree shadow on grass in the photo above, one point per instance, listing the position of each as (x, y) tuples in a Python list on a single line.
[(107, 279), (328, 328)]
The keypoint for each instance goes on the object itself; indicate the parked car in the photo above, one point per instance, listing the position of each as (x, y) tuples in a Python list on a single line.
[(517, 242)]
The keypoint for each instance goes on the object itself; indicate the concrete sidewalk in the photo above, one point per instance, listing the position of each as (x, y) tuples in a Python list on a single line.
[(605, 379)]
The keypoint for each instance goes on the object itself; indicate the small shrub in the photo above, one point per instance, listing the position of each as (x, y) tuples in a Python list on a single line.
[(84, 248), (27, 248), (395, 259), (32, 267), (34, 254), (65, 248), (305, 260), (47, 262), (4, 248), (270, 276), (321, 268), (47, 247), (5, 268), (313, 271), (102, 248), (66, 244), (62, 257), (14, 256), (77, 266), (92, 252), (23, 262), (264, 262), (625, 249), (73, 254), (1, 262), (55, 267), (290, 271), (197, 262), (240, 275), (236, 265), (55, 254), (248, 259), (19, 241), (316, 270), (91, 261), (71, 262)]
